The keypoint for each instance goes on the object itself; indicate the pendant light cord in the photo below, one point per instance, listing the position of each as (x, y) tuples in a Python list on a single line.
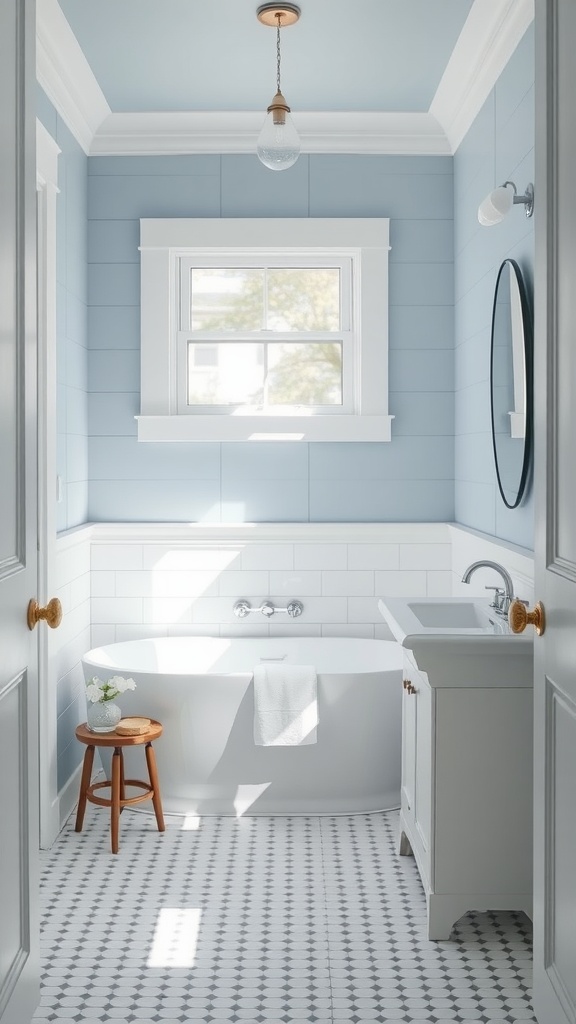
[(278, 16)]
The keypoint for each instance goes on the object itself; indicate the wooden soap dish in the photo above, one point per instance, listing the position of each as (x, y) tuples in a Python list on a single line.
[(132, 726)]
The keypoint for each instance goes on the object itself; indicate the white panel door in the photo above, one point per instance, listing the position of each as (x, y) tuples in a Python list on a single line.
[(555, 651), (18, 527)]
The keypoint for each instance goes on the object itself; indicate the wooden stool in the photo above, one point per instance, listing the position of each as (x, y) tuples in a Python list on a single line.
[(118, 783)]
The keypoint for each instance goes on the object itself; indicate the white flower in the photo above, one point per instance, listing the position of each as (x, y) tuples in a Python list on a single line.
[(120, 684), (96, 690)]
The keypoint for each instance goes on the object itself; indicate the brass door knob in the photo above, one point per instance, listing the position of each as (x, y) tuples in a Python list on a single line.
[(519, 617), (51, 613)]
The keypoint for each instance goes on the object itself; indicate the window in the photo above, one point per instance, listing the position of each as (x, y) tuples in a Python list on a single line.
[(264, 329), (277, 338)]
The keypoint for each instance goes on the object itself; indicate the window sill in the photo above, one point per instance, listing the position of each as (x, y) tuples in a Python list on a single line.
[(264, 428)]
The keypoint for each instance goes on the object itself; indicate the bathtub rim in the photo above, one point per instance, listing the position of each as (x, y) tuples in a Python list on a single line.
[(388, 646)]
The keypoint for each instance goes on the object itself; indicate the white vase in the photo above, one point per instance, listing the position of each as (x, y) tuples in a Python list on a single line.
[(103, 716)]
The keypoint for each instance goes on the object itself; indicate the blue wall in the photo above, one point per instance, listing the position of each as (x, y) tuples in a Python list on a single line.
[(409, 479), (72, 318), (439, 341), (498, 147)]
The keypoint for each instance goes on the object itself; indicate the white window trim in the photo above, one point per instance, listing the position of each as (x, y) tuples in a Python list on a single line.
[(163, 241)]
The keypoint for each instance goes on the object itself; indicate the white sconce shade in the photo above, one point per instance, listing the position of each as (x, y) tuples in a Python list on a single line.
[(498, 203), (495, 206)]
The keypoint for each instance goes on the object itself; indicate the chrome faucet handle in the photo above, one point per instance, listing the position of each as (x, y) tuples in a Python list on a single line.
[(499, 596), (243, 608), (295, 609)]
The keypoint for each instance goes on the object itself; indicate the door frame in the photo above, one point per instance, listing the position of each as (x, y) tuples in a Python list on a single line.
[(47, 152)]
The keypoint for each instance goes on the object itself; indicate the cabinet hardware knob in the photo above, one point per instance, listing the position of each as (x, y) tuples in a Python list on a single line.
[(519, 617), (51, 613), (406, 683), (410, 689)]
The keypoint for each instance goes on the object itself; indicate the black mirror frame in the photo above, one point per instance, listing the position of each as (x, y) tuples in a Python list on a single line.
[(528, 363)]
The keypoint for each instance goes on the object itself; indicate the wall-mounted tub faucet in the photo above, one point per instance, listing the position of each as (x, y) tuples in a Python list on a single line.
[(243, 608), (502, 598)]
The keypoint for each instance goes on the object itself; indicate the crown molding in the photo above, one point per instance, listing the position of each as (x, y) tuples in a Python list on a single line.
[(146, 134), (65, 75), (490, 35), (488, 39)]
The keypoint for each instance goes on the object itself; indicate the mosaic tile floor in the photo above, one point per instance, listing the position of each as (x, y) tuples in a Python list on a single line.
[(263, 920)]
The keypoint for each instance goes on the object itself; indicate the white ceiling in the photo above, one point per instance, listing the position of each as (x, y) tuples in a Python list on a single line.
[(139, 76)]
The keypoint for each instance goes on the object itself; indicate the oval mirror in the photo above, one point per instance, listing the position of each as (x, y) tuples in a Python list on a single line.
[(511, 383)]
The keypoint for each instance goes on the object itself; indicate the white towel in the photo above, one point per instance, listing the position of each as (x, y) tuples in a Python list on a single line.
[(285, 705)]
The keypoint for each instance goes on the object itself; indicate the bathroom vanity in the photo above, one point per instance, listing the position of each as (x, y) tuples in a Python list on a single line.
[(466, 795)]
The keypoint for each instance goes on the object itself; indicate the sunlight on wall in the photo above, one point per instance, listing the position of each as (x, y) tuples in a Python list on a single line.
[(233, 511), (180, 576), (175, 938), (247, 795), (197, 559)]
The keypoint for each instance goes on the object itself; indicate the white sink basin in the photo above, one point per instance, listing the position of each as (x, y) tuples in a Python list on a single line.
[(436, 616), (452, 614), (455, 618), (460, 641)]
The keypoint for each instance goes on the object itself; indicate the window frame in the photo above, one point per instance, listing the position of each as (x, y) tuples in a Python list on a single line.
[(168, 245)]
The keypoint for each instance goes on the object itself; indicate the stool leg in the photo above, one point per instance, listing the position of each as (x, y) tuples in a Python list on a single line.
[(115, 803), (85, 782), (122, 779), (153, 773)]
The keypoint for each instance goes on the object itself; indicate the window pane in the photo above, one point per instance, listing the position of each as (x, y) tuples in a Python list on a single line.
[(306, 299), (226, 299), (205, 355), (304, 374), (247, 373), (236, 379)]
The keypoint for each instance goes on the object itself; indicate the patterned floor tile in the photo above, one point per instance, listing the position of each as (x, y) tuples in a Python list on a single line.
[(263, 921)]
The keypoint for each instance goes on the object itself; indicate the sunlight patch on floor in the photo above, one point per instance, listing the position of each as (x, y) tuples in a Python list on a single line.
[(175, 937)]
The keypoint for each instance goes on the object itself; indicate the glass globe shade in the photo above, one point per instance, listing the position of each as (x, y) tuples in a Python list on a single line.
[(278, 145)]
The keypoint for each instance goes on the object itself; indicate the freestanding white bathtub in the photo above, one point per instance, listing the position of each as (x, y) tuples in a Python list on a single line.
[(201, 689)]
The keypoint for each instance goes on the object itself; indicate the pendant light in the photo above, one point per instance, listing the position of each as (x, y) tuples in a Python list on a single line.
[(278, 145)]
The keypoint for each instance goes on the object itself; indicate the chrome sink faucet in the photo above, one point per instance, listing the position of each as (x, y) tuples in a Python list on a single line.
[(502, 597)]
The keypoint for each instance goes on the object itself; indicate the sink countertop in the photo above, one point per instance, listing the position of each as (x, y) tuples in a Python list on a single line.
[(486, 653)]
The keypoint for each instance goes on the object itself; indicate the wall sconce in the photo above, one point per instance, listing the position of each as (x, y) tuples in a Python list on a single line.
[(500, 201), (278, 145)]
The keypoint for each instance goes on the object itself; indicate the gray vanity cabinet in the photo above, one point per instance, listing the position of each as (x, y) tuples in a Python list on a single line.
[(466, 803)]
